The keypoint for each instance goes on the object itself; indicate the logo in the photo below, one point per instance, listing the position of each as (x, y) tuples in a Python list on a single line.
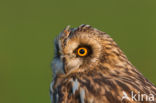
[(137, 97), (125, 96)]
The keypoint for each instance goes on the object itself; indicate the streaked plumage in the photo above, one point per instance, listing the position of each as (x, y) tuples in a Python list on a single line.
[(103, 76)]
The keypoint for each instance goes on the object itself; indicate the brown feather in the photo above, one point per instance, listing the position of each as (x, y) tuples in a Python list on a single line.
[(101, 77)]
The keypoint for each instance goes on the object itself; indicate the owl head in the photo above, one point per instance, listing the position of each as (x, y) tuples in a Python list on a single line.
[(82, 49)]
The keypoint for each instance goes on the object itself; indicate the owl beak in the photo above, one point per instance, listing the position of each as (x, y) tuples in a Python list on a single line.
[(63, 59), (64, 67)]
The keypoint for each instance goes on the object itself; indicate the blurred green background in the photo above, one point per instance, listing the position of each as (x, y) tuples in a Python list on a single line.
[(28, 28)]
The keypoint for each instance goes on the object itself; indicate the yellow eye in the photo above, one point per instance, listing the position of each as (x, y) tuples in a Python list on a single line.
[(82, 51)]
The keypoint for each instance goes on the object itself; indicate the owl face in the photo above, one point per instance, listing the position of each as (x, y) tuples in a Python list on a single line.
[(79, 49), (74, 49)]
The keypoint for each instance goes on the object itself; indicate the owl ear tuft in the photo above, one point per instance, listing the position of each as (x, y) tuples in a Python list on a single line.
[(84, 26), (67, 31)]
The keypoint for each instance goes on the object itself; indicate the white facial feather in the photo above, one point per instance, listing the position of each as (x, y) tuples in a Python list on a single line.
[(75, 86)]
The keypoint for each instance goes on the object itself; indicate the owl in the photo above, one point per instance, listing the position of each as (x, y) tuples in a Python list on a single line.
[(89, 67)]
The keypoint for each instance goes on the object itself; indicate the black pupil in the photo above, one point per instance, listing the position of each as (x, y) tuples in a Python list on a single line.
[(82, 51)]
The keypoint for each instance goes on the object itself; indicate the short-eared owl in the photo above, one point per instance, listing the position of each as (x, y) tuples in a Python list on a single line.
[(89, 67)]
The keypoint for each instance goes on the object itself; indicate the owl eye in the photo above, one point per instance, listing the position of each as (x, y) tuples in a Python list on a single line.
[(82, 51)]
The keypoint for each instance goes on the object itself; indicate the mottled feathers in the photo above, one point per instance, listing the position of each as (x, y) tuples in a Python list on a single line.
[(103, 75)]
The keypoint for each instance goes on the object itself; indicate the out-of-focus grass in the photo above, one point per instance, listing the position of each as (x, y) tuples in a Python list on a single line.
[(27, 30)]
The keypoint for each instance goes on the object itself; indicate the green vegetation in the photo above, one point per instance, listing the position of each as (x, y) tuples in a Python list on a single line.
[(27, 30)]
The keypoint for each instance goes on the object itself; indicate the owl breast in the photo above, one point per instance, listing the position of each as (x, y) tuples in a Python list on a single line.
[(89, 87)]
